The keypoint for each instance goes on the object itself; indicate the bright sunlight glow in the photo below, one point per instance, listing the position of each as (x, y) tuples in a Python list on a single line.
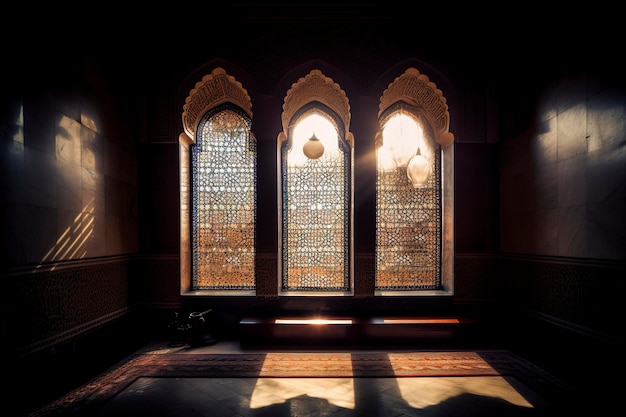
[(418, 392), (268, 391), (325, 132), (401, 136), (425, 392)]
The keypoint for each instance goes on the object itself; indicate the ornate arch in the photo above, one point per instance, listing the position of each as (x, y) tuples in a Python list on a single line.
[(315, 90), (416, 89), (214, 89), (315, 86)]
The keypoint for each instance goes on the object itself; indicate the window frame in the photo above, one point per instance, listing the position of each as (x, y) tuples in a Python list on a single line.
[(415, 88), (250, 149), (417, 91), (408, 196), (316, 107)]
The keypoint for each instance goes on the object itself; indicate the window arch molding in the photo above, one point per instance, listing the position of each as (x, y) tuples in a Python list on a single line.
[(417, 90), (214, 90), (317, 92), (315, 86), (414, 91)]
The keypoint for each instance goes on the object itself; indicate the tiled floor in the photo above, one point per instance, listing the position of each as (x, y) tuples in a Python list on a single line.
[(232, 397), (344, 397)]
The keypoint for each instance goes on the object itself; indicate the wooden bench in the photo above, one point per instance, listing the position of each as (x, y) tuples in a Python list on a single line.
[(345, 330)]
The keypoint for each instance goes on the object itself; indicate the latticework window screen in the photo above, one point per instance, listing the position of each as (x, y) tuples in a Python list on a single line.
[(408, 228), (224, 202), (315, 213)]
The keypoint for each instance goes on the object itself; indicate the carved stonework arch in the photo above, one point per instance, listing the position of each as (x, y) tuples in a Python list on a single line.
[(315, 86), (214, 89), (416, 89)]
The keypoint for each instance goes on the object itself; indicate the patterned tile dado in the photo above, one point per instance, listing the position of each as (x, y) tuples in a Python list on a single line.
[(476, 277), (581, 294), (47, 305)]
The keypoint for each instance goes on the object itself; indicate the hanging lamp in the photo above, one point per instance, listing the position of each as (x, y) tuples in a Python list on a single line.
[(313, 148), (418, 169)]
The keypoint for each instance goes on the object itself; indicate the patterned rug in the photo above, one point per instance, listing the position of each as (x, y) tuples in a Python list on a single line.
[(314, 365)]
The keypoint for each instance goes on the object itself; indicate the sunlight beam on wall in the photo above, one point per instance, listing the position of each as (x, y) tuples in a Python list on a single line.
[(72, 241)]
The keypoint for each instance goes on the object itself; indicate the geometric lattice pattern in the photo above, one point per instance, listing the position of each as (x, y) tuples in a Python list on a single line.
[(408, 231), (224, 202), (316, 223)]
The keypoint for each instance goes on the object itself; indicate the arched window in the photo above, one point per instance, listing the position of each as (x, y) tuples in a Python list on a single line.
[(315, 174), (315, 162), (224, 201), (218, 188), (413, 196)]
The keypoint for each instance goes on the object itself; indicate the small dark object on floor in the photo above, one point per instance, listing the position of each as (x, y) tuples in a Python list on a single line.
[(177, 332), (199, 333)]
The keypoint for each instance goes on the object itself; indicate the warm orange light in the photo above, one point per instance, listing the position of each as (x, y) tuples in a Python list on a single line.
[(313, 321), (419, 321)]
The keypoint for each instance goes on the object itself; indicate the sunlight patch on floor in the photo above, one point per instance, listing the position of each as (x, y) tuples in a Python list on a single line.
[(428, 391), (269, 391)]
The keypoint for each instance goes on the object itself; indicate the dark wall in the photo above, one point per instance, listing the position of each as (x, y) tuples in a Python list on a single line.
[(69, 201), (563, 196)]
